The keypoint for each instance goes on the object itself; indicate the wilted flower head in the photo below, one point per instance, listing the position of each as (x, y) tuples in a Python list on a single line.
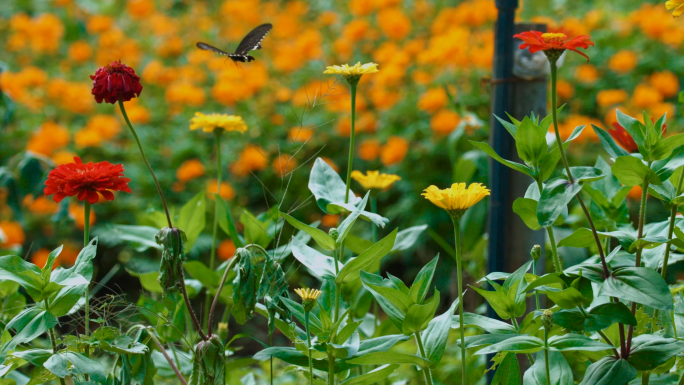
[(553, 44), (86, 181), (208, 123), (352, 73), (374, 180), (114, 82), (456, 199)]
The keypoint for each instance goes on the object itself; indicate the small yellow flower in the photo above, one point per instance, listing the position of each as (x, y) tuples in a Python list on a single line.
[(208, 123), (308, 294), (676, 5), (373, 180), (457, 198), (352, 73)]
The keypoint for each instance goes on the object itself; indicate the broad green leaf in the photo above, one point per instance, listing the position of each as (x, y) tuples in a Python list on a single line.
[(517, 344), (294, 357), (201, 272), (46, 271), (490, 325), (613, 149), (423, 281), (585, 174), (572, 341), (530, 140), (58, 365), (140, 237), (373, 377), (320, 264), (407, 238), (369, 260), (419, 315), (665, 147), (666, 167), (66, 299), (384, 358), (356, 244), (512, 128), (638, 284), (379, 344), (392, 300), (582, 237), (632, 171), (554, 199), (346, 225), (569, 298), (508, 371), (192, 218), (111, 340), (226, 222), (29, 325), (28, 275), (255, 231), (436, 335), (650, 351), (490, 151), (609, 371), (322, 239), (635, 128), (526, 208), (298, 311), (345, 208), (559, 370), (326, 186), (503, 305)]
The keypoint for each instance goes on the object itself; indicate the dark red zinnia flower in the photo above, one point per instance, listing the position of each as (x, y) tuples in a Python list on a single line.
[(115, 81), (624, 139), (85, 181), (539, 41)]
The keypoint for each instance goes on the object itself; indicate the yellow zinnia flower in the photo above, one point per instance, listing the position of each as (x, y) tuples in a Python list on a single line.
[(456, 199), (374, 181), (208, 123), (677, 5), (309, 297), (352, 73)]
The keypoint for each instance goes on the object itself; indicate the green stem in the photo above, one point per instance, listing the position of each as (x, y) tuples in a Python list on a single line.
[(546, 355), (426, 371), (681, 380), (270, 342), (640, 234), (86, 240), (517, 330), (212, 258), (54, 348), (457, 243), (374, 210), (142, 152), (602, 334), (163, 351), (645, 378), (536, 293), (308, 340), (331, 369), (352, 134), (557, 263), (336, 314)]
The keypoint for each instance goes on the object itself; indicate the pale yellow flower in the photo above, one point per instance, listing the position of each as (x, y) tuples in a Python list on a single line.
[(308, 294), (373, 180), (676, 5), (357, 69), (457, 197), (208, 123)]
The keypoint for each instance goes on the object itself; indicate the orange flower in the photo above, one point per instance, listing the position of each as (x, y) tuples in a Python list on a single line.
[(394, 150), (623, 62), (666, 82), (553, 42), (41, 205), (49, 137), (635, 193), (607, 98), (226, 250), (572, 121), (252, 158), (227, 191), (646, 96), (586, 73), (565, 89), (63, 157), (77, 213), (300, 134), (139, 9), (99, 23), (369, 149), (11, 234), (433, 100), (394, 23), (80, 51), (189, 170), (330, 220), (445, 121), (284, 165)]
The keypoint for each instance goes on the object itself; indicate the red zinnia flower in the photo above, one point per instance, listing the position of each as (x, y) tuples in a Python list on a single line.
[(624, 139), (115, 81), (86, 181), (559, 42)]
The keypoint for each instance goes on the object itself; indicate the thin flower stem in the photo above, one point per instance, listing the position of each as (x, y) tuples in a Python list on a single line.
[(546, 355), (351, 140), (336, 314), (601, 333), (86, 239), (554, 115), (163, 351), (640, 234), (331, 369), (212, 258), (426, 370), (557, 263), (536, 293), (210, 319), (142, 152), (54, 349), (308, 340), (188, 304), (457, 243)]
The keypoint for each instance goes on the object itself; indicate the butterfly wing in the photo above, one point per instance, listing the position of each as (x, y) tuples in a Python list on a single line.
[(253, 41), (207, 47)]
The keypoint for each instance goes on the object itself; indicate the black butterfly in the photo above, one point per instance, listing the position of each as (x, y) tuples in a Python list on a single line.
[(251, 42)]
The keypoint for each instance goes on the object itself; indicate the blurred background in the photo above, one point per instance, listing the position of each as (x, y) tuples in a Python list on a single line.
[(414, 117)]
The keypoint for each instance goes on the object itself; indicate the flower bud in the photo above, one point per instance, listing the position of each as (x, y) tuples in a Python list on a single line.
[(334, 233), (547, 319), (223, 330), (536, 252)]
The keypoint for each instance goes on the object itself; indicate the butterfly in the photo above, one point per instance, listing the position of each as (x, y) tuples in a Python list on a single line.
[(251, 42)]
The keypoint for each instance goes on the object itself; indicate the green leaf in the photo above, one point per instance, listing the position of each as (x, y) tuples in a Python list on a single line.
[(407, 238), (46, 271), (585, 174), (255, 231), (598, 318), (530, 140), (28, 275), (526, 208), (613, 149), (58, 365), (631, 171), (324, 240), (192, 218), (582, 237), (503, 305), (356, 244), (650, 351), (373, 377), (554, 199), (609, 371), (380, 344), (391, 299), (326, 186), (517, 344), (29, 325), (295, 357), (436, 335), (419, 315), (202, 273), (634, 127), (490, 325), (320, 264), (508, 371), (345, 227), (423, 281), (226, 222), (515, 166), (140, 237), (512, 128), (572, 341), (298, 311), (384, 358), (638, 284), (665, 147), (345, 208), (369, 260), (66, 299), (559, 370), (569, 298), (111, 340)]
